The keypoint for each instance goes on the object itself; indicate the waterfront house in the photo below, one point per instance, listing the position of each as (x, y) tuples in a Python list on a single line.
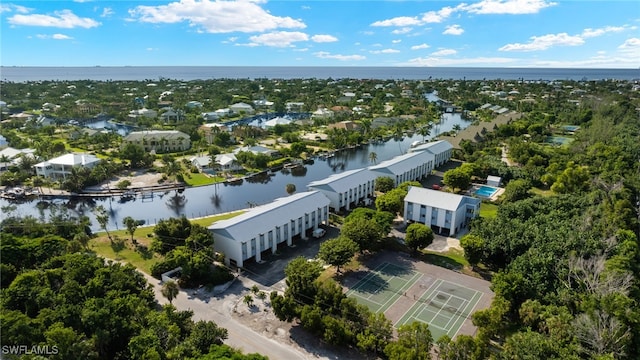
[(440, 149), (444, 212), (210, 116), (258, 150), (412, 166), (276, 121), (159, 141), (345, 125), (13, 156), (263, 228), (347, 188), (60, 167), (144, 112), (224, 162)]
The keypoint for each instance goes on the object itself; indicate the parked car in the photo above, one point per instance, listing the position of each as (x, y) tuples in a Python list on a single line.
[(318, 233)]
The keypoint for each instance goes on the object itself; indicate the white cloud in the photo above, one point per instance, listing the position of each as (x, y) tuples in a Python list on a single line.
[(54, 37), (630, 44), (588, 33), (404, 30), (437, 61), (279, 38), (453, 30), (326, 55), (544, 42), (324, 38), (444, 52), (631, 49), (385, 51), (513, 7), (438, 16), (216, 16), (106, 12), (402, 21), (61, 19), (419, 47), (13, 7), (397, 41)]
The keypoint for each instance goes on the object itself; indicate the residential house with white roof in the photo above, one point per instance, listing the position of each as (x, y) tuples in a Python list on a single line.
[(347, 188), (160, 141), (263, 228), (276, 121), (11, 156), (144, 112), (225, 162), (322, 113), (411, 166), (444, 212), (60, 167), (440, 149), (241, 107)]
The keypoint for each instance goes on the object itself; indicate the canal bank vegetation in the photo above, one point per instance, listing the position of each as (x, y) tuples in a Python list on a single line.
[(134, 245)]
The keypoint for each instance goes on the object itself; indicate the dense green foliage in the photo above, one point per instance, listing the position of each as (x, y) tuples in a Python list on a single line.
[(323, 309), (83, 307), (565, 265)]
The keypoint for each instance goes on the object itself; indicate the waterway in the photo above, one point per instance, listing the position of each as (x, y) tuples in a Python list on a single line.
[(220, 198)]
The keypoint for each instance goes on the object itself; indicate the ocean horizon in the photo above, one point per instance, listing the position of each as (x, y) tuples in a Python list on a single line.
[(189, 73)]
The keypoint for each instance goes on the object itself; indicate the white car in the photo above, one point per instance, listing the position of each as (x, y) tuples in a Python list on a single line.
[(318, 233)]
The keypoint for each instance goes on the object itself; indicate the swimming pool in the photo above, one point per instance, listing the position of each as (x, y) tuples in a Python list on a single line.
[(485, 191)]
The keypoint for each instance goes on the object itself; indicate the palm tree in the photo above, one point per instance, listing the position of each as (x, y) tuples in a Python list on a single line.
[(102, 217), (373, 157), (170, 290), (425, 131)]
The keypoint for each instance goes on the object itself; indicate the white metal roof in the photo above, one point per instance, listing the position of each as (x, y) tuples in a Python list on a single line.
[(437, 199), (71, 160), (263, 218), (343, 181), (402, 163), (435, 147)]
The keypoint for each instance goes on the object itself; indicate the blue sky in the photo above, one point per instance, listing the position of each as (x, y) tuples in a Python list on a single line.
[(487, 33)]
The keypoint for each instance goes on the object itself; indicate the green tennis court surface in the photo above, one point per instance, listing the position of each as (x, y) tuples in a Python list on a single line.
[(380, 289), (444, 306)]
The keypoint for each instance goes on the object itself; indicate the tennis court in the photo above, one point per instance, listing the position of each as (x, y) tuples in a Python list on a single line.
[(444, 306), (406, 295), (383, 286)]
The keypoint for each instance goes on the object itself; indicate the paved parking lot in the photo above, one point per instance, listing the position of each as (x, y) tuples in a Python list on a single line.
[(270, 272)]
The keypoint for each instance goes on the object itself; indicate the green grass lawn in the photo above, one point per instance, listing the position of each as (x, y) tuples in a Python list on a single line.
[(200, 179), (488, 210), (103, 247), (451, 259), (141, 260)]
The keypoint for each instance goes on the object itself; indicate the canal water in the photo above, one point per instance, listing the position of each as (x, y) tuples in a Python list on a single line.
[(220, 198)]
